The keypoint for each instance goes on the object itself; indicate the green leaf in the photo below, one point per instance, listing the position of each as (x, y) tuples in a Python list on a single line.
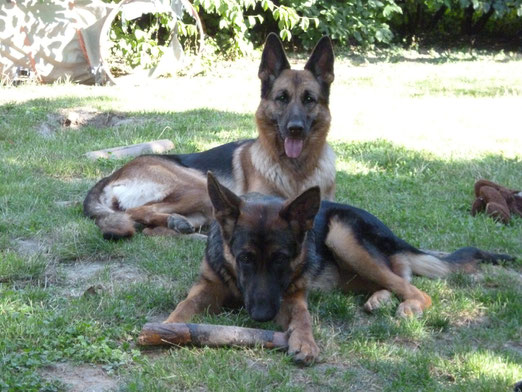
[(140, 34), (223, 24), (285, 35), (304, 24), (390, 9)]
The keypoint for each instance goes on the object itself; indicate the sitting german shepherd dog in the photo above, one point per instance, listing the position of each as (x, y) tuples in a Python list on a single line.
[(266, 253), (168, 192)]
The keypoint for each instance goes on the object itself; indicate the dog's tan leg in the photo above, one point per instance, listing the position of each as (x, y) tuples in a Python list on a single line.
[(354, 256), (415, 300), (294, 317), (203, 295), (209, 292), (155, 214), (165, 215), (382, 297), (187, 224)]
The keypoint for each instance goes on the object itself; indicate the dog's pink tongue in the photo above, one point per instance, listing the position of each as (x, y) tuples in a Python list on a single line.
[(293, 147)]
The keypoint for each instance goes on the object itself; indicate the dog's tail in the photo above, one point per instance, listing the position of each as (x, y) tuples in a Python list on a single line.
[(439, 264), (113, 223)]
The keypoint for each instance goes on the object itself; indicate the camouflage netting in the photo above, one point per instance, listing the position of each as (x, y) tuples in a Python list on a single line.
[(50, 40)]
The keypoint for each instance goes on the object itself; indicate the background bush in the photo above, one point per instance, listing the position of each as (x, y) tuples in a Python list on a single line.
[(234, 27), (440, 20), (237, 26)]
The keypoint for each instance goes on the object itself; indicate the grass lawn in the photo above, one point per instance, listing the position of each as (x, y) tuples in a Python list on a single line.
[(411, 139)]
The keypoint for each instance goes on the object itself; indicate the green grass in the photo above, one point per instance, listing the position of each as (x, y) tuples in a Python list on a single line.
[(411, 138)]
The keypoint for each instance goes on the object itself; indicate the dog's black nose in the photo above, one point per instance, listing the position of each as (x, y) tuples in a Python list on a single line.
[(263, 310), (261, 316), (295, 128)]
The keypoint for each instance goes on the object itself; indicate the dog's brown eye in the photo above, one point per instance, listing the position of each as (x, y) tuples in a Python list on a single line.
[(283, 97), (308, 98)]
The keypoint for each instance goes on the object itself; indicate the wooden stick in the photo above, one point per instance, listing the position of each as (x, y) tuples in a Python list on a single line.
[(155, 147), (180, 334)]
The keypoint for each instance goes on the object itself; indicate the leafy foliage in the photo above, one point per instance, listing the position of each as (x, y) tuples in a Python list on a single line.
[(140, 42), (355, 21), (456, 18), (234, 27)]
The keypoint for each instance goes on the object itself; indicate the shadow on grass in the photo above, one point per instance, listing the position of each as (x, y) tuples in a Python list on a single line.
[(32, 134), (432, 55), (43, 121), (422, 197)]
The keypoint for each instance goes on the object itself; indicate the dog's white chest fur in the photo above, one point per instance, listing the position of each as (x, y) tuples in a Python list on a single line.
[(288, 186)]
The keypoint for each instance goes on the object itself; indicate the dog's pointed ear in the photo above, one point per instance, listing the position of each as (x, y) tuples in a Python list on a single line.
[(226, 205), (301, 211), (321, 63), (273, 62)]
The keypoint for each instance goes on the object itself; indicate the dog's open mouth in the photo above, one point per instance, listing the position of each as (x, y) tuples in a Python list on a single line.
[(293, 147)]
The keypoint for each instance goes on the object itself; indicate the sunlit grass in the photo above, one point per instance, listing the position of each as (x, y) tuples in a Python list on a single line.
[(411, 138)]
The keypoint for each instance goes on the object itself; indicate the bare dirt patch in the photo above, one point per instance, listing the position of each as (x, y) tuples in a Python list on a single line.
[(76, 118), (80, 378), (80, 117), (89, 278), (82, 272), (30, 247), (514, 346)]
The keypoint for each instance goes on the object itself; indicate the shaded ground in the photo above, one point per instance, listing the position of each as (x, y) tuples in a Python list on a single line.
[(78, 117), (80, 378), (96, 277)]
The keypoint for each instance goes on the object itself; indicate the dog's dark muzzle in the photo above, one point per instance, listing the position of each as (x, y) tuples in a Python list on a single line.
[(293, 131), (263, 309), (294, 124)]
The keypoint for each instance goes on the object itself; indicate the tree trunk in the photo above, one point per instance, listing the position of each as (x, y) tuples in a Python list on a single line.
[(437, 17), (467, 23), (479, 26)]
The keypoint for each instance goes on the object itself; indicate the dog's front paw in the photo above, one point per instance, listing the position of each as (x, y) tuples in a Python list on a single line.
[(410, 308), (179, 224), (377, 300), (303, 349), (414, 306)]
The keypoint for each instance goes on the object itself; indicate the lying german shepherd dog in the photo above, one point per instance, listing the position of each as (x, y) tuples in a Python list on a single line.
[(169, 192), (266, 253)]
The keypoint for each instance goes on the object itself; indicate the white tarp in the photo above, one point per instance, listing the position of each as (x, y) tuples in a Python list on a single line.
[(44, 38), (58, 40)]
